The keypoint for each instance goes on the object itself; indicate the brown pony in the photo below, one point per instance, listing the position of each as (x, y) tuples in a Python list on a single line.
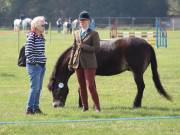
[(114, 56)]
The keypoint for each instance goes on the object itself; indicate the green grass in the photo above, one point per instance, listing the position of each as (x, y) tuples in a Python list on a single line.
[(116, 94)]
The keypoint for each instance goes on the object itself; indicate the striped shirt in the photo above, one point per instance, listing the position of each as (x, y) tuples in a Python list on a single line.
[(35, 49)]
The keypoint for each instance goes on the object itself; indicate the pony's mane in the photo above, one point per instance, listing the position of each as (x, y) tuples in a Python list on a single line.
[(59, 62)]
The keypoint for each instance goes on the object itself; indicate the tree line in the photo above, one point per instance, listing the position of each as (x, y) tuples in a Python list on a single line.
[(52, 9)]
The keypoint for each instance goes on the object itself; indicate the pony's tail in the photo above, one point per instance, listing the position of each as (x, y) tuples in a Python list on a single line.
[(156, 77)]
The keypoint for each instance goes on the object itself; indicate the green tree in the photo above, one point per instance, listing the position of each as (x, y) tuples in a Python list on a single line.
[(174, 7), (5, 6)]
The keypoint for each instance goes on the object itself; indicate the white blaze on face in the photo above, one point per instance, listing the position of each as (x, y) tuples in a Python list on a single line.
[(56, 103), (61, 85)]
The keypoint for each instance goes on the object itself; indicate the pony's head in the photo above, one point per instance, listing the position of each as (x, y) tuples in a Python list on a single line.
[(59, 91), (59, 79)]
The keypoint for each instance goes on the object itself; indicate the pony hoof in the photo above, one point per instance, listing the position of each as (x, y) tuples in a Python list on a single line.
[(136, 106)]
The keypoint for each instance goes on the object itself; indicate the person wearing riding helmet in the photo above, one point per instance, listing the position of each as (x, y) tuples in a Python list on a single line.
[(83, 60)]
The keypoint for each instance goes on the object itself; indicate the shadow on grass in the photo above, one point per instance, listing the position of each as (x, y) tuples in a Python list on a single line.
[(144, 111), (7, 75), (120, 111)]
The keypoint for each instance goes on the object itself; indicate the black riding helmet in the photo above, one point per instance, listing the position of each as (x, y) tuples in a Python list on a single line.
[(84, 15)]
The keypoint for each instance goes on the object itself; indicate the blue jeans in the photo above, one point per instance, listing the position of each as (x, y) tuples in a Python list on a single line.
[(36, 74)]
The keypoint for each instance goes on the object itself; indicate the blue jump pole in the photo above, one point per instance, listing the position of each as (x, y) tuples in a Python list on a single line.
[(161, 35), (166, 40)]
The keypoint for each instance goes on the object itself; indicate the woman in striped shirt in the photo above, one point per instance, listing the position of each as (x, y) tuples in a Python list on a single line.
[(35, 63)]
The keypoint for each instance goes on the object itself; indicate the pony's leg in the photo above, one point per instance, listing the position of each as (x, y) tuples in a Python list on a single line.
[(15, 28), (138, 77), (80, 102)]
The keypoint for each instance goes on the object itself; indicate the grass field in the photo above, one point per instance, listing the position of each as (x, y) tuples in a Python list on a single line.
[(116, 95)]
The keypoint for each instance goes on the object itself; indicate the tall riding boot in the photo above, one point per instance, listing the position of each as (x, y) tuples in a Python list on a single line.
[(80, 101)]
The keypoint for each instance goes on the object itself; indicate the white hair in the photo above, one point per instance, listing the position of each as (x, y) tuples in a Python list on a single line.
[(37, 21)]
